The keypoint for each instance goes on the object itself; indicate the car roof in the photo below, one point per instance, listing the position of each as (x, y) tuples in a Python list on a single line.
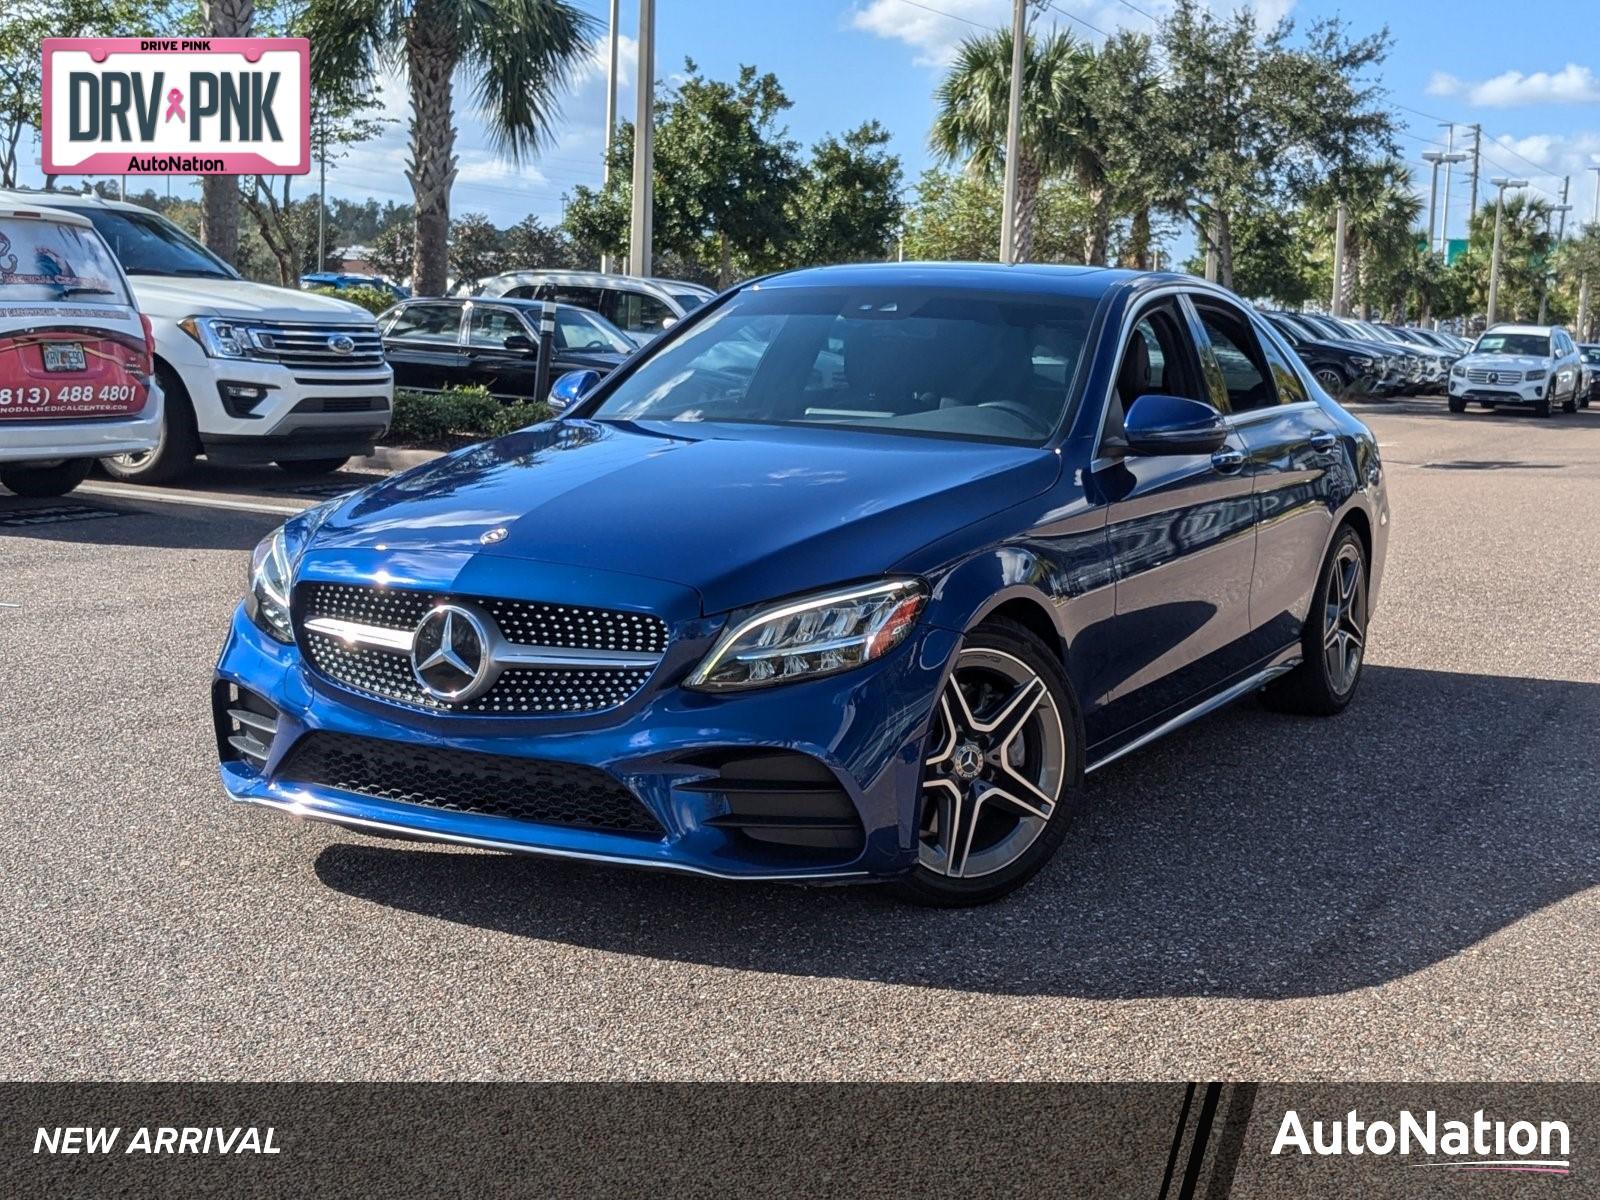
[(25, 197), (645, 283), (13, 205), (1538, 329), (1042, 279)]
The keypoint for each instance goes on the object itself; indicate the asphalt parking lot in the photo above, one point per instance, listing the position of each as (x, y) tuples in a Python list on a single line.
[(1406, 891)]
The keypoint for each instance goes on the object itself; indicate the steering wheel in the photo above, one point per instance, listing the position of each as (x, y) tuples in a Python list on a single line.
[(1023, 413)]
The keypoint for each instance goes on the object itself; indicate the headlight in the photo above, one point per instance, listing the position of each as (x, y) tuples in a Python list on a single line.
[(1458, 371), (1361, 361), (267, 601), (220, 338), (818, 635), (272, 568), (1537, 373)]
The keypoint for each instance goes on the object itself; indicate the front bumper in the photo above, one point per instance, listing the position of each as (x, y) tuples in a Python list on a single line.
[(1477, 393), (867, 727), (54, 441)]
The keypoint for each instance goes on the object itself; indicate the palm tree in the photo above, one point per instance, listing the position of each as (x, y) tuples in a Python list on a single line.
[(974, 100), (219, 194), (518, 56)]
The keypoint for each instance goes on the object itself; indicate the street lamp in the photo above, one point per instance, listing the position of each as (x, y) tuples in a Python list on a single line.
[(1435, 157), (1550, 275), (1502, 183), (1008, 191)]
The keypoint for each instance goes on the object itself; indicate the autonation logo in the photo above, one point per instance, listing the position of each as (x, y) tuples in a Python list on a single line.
[(1480, 1144)]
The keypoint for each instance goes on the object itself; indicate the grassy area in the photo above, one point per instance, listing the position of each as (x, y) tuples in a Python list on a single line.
[(457, 416)]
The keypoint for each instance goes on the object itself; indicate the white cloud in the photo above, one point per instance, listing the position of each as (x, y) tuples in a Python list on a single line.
[(1573, 84)]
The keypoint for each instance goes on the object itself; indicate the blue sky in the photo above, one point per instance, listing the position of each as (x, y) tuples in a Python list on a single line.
[(1532, 81)]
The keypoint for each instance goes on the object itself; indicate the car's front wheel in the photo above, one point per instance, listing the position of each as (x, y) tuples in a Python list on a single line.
[(1334, 643), (42, 482), (1002, 773), (174, 454), (1458, 404), (1331, 379)]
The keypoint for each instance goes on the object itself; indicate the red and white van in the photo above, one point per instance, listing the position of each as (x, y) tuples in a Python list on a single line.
[(76, 380)]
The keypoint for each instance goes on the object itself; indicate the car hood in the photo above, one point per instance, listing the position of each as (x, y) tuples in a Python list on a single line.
[(1504, 362), (738, 513), (176, 297), (604, 361)]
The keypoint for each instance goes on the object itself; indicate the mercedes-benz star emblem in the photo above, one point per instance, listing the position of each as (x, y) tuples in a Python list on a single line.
[(450, 654), (497, 534), (968, 761), (341, 343), (1494, 376)]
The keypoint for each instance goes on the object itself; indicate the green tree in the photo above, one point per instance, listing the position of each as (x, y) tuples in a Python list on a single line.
[(974, 102), (956, 218), (391, 251), (518, 55), (1273, 257), (1524, 252), (1578, 268), (726, 173), (532, 244), (847, 208), (475, 248)]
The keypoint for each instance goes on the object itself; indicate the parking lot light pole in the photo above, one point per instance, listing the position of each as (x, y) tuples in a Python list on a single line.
[(1339, 220), (639, 228), (1435, 157), (1501, 183), (611, 115), (1008, 202)]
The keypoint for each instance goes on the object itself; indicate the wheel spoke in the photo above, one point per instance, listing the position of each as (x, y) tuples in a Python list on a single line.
[(945, 751), (1042, 811), (1015, 713)]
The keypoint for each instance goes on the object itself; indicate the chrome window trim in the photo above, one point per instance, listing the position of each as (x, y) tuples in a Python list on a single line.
[(1097, 460)]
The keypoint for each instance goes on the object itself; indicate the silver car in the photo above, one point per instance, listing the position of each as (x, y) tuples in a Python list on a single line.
[(640, 307)]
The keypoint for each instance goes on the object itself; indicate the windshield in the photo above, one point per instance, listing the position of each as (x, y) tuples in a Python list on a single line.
[(971, 365), (149, 244), (51, 260), (1535, 344), (1591, 354), (579, 329)]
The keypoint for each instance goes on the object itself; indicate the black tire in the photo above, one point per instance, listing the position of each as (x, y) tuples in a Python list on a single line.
[(1046, 744), (44, 482), (1570, 404), (1458, 404), (175, 453), (1332, 380), (1312, 688), (1542, 408), (305, 467)]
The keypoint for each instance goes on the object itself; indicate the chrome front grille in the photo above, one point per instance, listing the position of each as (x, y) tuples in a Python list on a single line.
[(552, 659), (311, 346), (1500, 375)]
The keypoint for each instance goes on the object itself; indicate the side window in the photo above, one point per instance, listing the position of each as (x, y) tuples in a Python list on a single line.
[(1156, 359), (578, 297), (427, 323), (638, 313), (1290, 388), (491, 325), (1238, 354)]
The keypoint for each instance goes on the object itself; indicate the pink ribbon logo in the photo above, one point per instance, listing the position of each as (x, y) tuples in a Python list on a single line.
[(175, 105)]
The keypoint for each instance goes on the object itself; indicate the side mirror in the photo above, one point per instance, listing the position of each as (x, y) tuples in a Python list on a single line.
[(1173, 425), (571, 388), (667, 323), (520, 342)]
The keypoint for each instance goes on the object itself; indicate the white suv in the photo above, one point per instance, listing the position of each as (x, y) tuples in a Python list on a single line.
[(75, 372), (251, 373), (1525, 366)]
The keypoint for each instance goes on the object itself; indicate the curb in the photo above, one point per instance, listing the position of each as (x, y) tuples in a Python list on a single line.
[(389, 459)]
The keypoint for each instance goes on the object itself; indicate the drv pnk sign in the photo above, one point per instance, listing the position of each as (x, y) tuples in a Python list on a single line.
[(177, 106)]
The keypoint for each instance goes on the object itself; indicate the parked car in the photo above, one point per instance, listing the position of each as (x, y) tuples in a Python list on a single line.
[(874, 624), (432, 344), (641, 308), (75, 355), (250, 373), (339, 279), (1338, 366), (1433, 367), (1519, 366), (1590, 353)]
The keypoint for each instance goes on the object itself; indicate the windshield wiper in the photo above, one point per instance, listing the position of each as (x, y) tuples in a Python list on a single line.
[(84, 289), (191, 274)]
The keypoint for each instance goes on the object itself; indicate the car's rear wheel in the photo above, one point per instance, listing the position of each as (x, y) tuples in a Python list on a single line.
[(1002, 773), (305, 467), (55, 480), (1334, 643), (1570, 404), (174, 454)]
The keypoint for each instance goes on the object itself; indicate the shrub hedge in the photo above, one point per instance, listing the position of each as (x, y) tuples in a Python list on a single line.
[(374, 300), (458, 415)]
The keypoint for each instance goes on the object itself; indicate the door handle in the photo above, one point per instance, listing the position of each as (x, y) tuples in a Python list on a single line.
[(1227, 462), (1323, 441)]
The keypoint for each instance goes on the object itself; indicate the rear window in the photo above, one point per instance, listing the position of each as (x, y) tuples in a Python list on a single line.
[(49, 260)]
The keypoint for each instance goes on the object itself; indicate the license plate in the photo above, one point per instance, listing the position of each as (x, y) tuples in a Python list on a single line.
[(63, 356)]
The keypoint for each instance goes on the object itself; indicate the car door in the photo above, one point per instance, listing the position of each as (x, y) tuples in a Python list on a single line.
[(1181, 538), (423, 345), (506, 370), (1568, 372), (1292, 457)]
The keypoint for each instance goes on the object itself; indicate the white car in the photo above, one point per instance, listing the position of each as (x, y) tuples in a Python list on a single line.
[(75, 355), (1523, 366), (641, 308), (251, 373)]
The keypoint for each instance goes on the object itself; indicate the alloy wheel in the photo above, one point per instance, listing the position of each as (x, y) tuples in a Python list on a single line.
[(1332, 382), (1344, 623), (998, 763)]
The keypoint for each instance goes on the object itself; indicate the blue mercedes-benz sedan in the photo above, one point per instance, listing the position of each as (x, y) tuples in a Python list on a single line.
[(855, 574)]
